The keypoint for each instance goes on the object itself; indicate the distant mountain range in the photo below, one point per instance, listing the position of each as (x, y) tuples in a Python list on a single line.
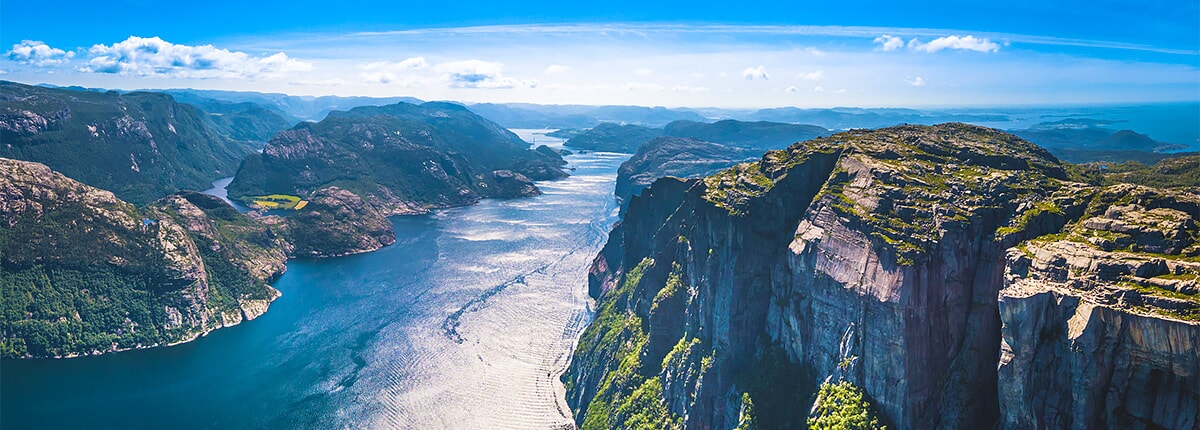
[(686, 149), (1173, 124)]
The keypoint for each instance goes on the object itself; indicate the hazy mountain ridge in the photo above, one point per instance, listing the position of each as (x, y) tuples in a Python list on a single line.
[(687, 148)]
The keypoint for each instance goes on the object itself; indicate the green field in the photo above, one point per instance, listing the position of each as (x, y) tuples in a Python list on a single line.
[(278, 201)]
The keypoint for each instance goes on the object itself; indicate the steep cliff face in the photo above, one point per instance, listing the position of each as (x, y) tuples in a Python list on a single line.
[(869, 259), (82, 272), (1100, 321)]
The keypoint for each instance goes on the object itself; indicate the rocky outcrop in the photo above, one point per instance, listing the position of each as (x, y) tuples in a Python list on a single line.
[(337, 222), (85, 273), (1100, 322), (874, 260)]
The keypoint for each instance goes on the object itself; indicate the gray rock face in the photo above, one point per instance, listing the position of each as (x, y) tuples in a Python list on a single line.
[(1100, 323), (879, 258), (1068, 363)]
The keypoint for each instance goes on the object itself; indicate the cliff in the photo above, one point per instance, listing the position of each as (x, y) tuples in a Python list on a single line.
[(868, 266), (83, 272), (400, 159), (141, 146)]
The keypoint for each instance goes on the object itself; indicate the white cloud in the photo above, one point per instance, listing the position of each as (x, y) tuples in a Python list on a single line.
[(812, 50), (479, 74), (643, 87), (756, 73), (139, 56), (916, 82), (641, 71), (889, 43), (38, 53), (811, 76), (966, 43), (386, 72), (557, 68), (792, 89), (819, 89)]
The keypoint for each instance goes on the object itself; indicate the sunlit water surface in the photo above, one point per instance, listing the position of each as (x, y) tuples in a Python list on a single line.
[(466, 322)]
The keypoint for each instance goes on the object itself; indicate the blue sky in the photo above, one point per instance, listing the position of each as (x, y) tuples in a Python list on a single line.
[(731, 54)]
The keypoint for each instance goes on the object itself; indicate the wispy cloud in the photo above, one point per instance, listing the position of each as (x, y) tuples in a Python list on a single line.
[(386, 72), (916, 82), (965, 43), (38, 53), (889, 42), (756, 73), (868, 32), (812, 76), (480, 74), (557, 68), (138, 56)]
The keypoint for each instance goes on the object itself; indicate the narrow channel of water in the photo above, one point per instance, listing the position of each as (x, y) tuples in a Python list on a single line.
[(466, 322)]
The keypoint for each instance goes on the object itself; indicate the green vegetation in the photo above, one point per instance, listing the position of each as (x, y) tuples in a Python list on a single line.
[(428, 155), (1039, 210), (746, 417), (141, 146), (82, 278), (278, 201), (1171, 172), (627, 397), (843, 406)]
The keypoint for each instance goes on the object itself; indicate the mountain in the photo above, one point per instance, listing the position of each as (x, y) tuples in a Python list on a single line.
[(610, 137), (335, 222), (83, 272), (1087, 140), (848, 118), (948, 276), (759, 135), (679, 157), (525, 115), (401, 158), (691, 149), (301, 108), (243, 121), (141, 146)]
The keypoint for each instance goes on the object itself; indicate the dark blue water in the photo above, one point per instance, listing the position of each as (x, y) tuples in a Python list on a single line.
[(466, 322)]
